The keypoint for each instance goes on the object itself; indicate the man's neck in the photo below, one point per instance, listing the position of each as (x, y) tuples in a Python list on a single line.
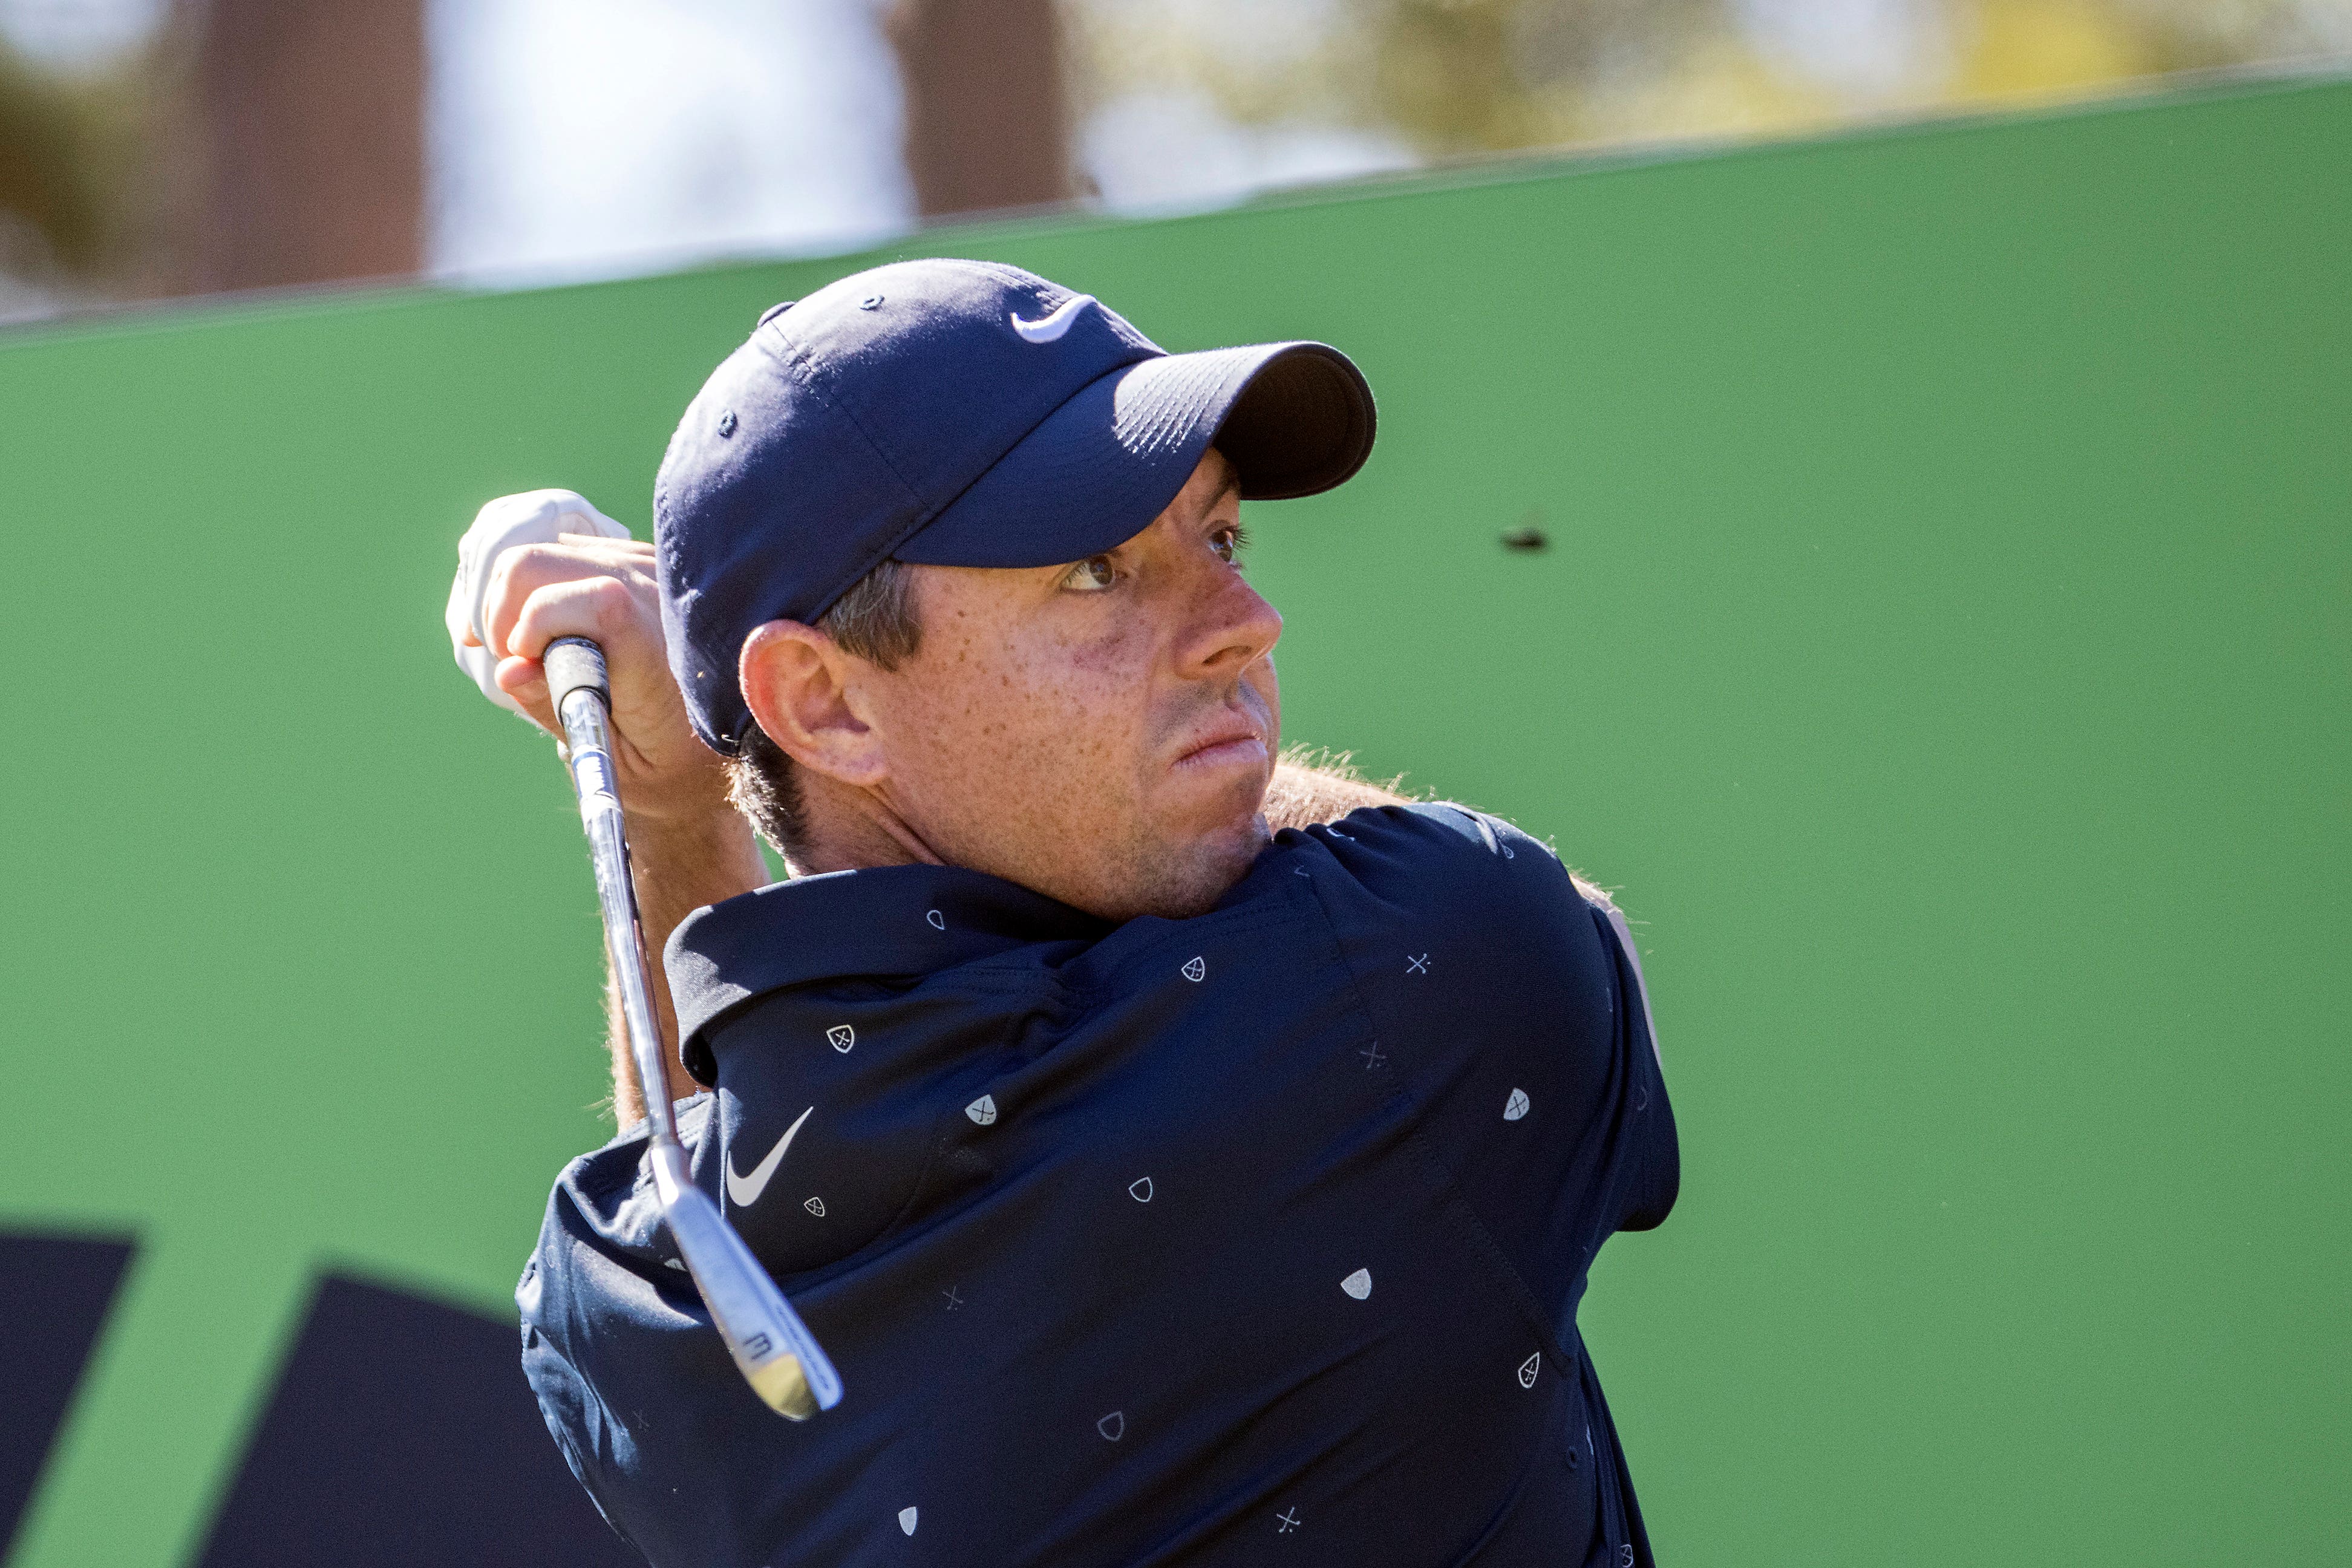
[(852, 830)]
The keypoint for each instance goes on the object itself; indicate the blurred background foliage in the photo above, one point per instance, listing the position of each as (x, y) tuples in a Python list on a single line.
[(1423, 80), (150, 147), (77, 206)]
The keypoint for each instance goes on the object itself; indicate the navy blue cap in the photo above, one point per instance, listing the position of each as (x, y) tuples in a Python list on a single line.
[(955, 414)]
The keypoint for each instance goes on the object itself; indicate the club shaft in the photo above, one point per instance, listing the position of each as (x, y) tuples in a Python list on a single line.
[(585, 733), (771, 1346)]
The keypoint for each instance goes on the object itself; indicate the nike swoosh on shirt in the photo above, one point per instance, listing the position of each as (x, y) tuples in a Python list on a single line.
[(1049, 329), (745, 1190)]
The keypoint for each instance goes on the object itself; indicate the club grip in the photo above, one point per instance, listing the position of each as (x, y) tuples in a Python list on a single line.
[(574, 664)]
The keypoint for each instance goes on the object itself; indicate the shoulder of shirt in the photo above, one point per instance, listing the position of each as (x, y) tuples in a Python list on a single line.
[(1418, 839)]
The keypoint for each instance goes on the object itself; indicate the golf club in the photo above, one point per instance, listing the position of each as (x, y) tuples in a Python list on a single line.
[(773, 1349)]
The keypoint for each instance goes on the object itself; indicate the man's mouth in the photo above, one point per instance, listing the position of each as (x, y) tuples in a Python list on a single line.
[(1228, 745)]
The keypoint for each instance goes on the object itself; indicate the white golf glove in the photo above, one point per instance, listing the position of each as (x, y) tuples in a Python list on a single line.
[(534, 517)]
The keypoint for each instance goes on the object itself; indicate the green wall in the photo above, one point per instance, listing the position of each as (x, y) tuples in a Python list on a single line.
[(1943, 646)]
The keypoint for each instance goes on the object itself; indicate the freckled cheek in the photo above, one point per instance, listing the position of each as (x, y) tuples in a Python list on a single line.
[(1085, 699), (958, 712), (1077, 716)]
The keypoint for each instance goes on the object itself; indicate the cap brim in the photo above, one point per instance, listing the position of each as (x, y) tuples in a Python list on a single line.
[(1292, 419)]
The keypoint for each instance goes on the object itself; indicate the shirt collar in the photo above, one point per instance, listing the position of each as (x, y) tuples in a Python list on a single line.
[(883, 922)]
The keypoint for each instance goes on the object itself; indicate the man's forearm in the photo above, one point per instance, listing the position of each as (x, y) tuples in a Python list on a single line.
[(678, 865)]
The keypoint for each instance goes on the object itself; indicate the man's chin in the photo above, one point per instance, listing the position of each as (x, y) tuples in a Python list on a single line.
[(1179, 880), (1215, 864)]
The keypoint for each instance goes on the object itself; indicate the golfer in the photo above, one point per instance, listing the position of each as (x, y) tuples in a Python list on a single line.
[(1185, 1157)]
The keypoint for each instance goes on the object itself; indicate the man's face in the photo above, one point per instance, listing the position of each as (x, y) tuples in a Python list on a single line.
[(1101, 733)]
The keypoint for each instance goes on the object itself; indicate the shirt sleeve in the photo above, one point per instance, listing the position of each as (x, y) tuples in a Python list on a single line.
[(552, 1300), (1514, 1012), (635, 1386)]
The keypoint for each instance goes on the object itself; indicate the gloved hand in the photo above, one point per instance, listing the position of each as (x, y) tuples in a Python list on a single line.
[(533, 517)]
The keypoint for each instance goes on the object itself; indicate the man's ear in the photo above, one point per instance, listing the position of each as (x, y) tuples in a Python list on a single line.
[(803, 689)]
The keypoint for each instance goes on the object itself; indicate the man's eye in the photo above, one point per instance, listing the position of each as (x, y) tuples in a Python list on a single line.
[(1091, 575)]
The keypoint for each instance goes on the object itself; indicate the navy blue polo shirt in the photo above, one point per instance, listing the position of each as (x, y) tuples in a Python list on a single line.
[(1252, 1238)]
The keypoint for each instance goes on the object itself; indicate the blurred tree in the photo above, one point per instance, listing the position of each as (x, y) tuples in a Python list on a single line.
[(306, 163), (282, 142), (2049, 46), (45, 180), (1461, 76), (70, 157), (987, 119), (1465, 77)]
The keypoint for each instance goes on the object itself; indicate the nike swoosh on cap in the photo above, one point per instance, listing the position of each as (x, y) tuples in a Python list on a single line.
[(744, 1191), (1050, 328)]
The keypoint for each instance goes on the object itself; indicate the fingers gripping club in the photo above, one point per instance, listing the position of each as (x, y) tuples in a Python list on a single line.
[(771, 1347), (534, 517)]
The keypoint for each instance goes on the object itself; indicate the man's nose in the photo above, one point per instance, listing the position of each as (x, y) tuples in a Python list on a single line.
[(1234, 626)]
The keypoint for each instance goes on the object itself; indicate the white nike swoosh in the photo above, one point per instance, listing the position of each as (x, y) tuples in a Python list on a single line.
[(1049, 329), (745, 1190)]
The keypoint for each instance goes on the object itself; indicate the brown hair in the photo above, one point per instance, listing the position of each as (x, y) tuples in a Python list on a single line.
[(875, 621)]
